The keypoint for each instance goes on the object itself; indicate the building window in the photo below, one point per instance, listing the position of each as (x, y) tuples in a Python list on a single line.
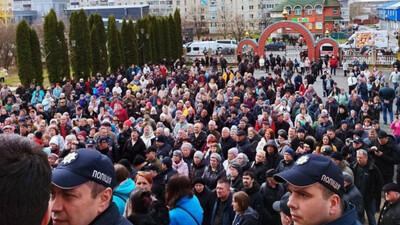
[(318, 10), (297, 11), (251, 16), (318, 25), (335, 11), (251, 25), (289, 10), (308, 25), (251, 7), (178, 2), (308, 10)]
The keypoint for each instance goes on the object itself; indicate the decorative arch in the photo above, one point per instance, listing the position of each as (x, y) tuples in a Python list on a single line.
[(331, 41), (297, 27), (244, 42)]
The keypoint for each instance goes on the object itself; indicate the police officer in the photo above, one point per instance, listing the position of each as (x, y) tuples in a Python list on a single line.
[(81, 190), (316, 185)]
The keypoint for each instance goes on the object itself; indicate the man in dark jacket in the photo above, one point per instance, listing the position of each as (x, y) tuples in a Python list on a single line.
[(387, 95), (385, 155), (353, 196), (206, 199), (368, 180), (163, 149), (198, 137), (223, 213), (288, 160), (252, 189), (244, 145), (226, 141), (133, 146), (168, 171), (390, 213), (272, 157), (271, 191)]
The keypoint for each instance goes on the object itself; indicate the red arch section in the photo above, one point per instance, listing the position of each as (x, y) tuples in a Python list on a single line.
[(299, 28), (327, 41), (246, 41)]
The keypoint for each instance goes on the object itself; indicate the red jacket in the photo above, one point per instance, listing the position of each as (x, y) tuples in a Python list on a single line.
[(333, 62)]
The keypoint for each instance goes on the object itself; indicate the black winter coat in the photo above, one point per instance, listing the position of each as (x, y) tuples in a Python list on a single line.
[(390, 214), (270, 195), (207, 200), (352, 195), (256, 202), (130, 151), (226, 144), (197, 142), (368, 180), (110, 216), (197, 170), (386, 162), (259, 170), (211, 177), (245, 147)]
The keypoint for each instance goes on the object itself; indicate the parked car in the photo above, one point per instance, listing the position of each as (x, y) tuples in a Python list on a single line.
[(275, 46)]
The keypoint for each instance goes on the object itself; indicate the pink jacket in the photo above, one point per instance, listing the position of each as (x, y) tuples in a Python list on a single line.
[(181, 167), (395, 126)]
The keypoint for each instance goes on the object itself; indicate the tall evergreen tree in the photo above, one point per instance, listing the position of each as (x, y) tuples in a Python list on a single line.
[(101, 33), (120, 47), (128, 48), (160, 41), (113, 45), (133, 54), (52, 48), (24, 53), (153, 37), (73, 36), (173, 37), (178, 24), (36, 59), (65, 70), (167, 38), (83, 47), (96, 54), (81, 56)]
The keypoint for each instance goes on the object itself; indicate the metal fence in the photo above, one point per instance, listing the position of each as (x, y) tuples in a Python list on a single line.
[(383, 60)]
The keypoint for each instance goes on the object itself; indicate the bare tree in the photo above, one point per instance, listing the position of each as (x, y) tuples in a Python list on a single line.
[(7, 45), (224, 22), (238, 27), (356, 9), (196, 20)]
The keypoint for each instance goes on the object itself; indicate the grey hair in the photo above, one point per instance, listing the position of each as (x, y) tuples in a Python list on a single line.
[(362, 152)]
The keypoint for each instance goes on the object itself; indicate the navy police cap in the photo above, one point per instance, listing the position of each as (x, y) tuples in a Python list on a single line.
[(82, 166), (312, 168)]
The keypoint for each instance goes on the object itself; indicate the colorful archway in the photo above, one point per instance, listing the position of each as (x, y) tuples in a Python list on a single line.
[(297, 27), (247, 41), (330, 41), (313, 46)]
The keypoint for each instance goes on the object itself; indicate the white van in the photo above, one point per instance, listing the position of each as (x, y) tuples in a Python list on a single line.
[(227, 44), (326, 49), (197, 48)]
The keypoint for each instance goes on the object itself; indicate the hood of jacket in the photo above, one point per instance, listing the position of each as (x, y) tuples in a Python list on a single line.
[(125, 188), (250, 213)]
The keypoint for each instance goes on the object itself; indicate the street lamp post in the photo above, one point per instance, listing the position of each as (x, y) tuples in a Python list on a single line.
[(143, 37)]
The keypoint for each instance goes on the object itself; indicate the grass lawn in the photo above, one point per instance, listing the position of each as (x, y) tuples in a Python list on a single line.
[(12, 80)]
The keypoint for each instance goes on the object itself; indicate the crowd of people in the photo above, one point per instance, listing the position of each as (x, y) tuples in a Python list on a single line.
[(189, 144)]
